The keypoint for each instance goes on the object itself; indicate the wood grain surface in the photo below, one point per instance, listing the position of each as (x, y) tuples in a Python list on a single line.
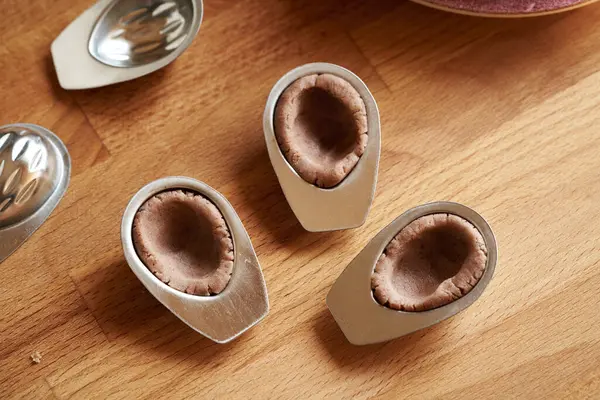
[(501, 115)]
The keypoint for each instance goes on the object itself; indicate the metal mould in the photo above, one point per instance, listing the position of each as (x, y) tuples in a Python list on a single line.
[(362, 319), (346, 205), (222, 317), (119, 40), (35, 169)]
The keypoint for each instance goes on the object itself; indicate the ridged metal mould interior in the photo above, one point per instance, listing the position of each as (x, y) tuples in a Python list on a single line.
[(34, 173)]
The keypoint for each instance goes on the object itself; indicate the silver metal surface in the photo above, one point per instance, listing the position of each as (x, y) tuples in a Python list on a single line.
[(222, 317), (34, 174), (346, 205), (134, 32), (362, 319), (119, 40)]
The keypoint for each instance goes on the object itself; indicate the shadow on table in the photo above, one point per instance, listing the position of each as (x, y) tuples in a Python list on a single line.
[(259, 190), (127, 312), (358, 358), (106, 97)]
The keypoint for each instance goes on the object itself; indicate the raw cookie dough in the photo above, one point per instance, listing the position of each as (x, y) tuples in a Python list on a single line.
[(321, 127), (184, 240), (433, 261)]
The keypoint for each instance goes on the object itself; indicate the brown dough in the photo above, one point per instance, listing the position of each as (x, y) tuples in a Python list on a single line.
[(184, 240), (321, 128), (433, 261)]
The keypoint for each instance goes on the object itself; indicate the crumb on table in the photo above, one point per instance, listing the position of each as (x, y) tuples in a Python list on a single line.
[(36, 357)]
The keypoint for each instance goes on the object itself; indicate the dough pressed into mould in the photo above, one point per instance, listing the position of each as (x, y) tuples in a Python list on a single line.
[(321, 127), (184, 240), (433, 261)]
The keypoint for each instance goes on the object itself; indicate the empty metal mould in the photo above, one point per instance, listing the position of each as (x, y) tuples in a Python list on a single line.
[(119, 40), (35, 169)]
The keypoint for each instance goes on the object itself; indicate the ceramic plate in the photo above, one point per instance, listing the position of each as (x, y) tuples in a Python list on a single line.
[(505, 8)]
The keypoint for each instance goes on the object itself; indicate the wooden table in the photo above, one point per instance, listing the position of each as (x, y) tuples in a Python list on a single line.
[(500, 115)]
